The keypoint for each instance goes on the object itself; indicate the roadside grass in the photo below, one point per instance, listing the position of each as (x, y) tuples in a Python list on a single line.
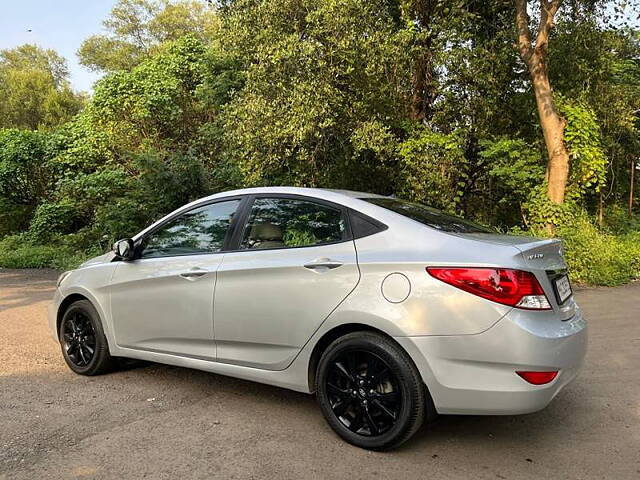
[(600, 258), (16, 252)]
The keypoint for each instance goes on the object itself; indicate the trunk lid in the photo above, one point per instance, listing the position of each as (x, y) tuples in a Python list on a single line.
[(538, 254)]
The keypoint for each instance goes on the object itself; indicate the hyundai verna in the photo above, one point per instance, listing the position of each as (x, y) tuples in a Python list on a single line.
[(389, 311)]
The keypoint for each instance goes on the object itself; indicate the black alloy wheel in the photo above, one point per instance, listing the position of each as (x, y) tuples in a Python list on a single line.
[(370, 391), (82, 340), (363, 392), (79, 339)]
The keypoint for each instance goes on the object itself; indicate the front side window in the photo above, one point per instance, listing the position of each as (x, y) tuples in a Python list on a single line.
[(431, 217), (198, 231), (288, 223)]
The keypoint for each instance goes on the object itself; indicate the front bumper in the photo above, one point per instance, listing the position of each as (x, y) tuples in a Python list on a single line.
[(52, 314), (475, 374)]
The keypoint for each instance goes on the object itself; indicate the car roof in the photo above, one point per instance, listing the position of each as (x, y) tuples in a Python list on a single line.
[(308, 191), (347, 198)]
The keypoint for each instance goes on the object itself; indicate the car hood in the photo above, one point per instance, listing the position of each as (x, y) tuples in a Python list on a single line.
[(104, 258)]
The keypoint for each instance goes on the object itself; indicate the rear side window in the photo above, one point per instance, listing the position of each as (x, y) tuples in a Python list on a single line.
[(431, 217), (288, 223)]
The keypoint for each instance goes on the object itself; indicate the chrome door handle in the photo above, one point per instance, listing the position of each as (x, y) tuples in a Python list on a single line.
[(195, 273), (322, 263)]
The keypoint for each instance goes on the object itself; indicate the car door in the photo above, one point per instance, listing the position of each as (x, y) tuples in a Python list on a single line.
[(294, 264), (163, 300)]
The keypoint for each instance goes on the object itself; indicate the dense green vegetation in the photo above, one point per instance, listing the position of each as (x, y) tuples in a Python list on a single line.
[(425, 99)]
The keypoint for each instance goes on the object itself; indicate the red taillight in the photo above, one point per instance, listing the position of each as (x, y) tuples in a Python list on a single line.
[(515, 288), (538, 378)]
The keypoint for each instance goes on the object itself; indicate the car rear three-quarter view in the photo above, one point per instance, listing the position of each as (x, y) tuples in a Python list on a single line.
[(389, 311)]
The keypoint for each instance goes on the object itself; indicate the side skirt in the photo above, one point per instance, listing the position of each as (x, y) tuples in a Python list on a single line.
[(293, 378)]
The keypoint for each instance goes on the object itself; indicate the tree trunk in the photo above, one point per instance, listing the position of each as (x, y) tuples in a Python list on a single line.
[(552, 124), (423, 84)]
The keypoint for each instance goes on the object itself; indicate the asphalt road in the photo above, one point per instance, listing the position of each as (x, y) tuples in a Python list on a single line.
[(157, 421)]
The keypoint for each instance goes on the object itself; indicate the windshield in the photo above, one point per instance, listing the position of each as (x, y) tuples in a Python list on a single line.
[(429, 216)]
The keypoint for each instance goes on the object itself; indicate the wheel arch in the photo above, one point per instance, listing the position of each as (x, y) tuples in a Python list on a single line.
[(65, 304), (346, 328), (334, 333)]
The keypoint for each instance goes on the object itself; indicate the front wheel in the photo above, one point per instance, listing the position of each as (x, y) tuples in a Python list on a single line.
[(370, 392), (83, 343)]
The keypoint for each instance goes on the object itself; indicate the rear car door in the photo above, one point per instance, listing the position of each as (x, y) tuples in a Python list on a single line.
[(294, 264), (163, 301)]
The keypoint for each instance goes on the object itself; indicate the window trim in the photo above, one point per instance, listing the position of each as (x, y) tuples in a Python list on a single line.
[(239, 210), (234, 245)]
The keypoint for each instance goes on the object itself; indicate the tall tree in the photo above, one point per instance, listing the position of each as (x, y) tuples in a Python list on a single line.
[(533, 47), (138, 28), (34, 88)]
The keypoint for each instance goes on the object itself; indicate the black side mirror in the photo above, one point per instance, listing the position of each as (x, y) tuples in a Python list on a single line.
[(124, 249)]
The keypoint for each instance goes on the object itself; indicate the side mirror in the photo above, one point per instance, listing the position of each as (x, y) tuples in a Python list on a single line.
[(124, 249)]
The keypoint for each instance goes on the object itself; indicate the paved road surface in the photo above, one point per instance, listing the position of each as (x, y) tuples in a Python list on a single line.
[(158, 422)]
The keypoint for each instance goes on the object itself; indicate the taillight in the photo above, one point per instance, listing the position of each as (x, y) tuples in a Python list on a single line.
[(515, 288)]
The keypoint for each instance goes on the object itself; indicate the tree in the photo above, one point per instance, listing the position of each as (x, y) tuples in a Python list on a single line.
[(137, 29), (34, 89), (326, 91), (533, 47)]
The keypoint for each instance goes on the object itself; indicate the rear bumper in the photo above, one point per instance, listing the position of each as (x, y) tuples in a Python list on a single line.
[(475, 374)]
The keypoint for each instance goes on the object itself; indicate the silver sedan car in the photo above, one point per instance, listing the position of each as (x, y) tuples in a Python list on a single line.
[(389, 311)]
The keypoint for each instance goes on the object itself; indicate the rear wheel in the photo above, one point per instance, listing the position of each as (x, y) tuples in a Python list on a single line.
[(84, 346), (370, 392)]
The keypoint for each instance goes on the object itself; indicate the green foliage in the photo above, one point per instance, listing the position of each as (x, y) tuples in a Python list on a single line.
[(34, 91), (583, 140), (517, 170), (154, 104), (432, 169), (138, 29), (25, 166), (597, 258), (17, 252), (317, 74)]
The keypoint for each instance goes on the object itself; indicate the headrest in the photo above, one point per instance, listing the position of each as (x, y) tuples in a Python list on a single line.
[(266, 231)]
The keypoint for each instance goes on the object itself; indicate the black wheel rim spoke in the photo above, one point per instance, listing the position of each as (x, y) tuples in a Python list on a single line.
[(339, 366), (373, 427), (79, 341), (363, 392), (390, 413)]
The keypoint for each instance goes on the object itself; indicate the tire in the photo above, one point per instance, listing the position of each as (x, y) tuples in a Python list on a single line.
[(84, 346), (369, 391)]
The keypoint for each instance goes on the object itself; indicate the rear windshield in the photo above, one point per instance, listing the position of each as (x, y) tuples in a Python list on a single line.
[(429, 216)]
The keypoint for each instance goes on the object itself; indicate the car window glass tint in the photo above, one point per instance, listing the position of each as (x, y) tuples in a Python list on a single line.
[(285, 222), (201, 230), (431, 217)]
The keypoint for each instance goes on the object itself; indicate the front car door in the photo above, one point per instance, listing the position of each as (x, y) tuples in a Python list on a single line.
[(294, 264), (163, 301)]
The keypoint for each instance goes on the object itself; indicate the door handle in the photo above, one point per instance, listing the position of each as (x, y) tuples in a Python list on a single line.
[(194, 273), (322, 263)]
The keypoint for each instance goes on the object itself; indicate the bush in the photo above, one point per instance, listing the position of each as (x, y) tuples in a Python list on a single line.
[(17, 252), (599, 258)]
